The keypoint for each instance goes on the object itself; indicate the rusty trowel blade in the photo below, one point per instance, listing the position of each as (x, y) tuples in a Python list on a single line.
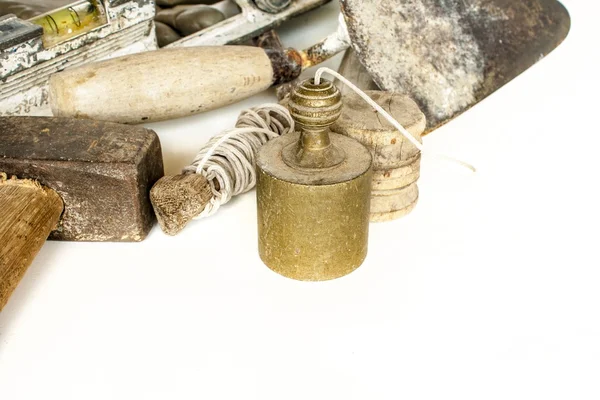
[(451, 54)]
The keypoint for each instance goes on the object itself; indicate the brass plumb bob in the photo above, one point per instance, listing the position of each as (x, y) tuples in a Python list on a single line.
[(314, 190)]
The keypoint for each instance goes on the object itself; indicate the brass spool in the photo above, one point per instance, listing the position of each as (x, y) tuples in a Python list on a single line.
[(314, 190)]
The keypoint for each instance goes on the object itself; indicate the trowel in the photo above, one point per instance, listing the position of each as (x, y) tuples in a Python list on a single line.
[(446, 54)]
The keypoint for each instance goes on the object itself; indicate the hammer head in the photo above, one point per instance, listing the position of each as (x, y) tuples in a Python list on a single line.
[(103, 172)]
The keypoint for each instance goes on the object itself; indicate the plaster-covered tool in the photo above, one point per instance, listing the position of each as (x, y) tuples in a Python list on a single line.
[(41, 37), (42, 40), (447, 55), (450, 55)]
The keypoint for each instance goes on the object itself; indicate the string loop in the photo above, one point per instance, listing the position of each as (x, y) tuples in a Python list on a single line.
[(228, 160)]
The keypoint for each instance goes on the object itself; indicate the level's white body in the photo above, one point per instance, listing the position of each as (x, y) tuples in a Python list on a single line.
[(26, 68)]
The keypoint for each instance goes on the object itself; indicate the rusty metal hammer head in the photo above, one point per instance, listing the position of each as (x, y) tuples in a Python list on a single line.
[(102, 171)]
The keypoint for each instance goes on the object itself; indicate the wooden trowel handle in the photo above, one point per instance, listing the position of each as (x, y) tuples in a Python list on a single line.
[(163, 84), (29, 213)]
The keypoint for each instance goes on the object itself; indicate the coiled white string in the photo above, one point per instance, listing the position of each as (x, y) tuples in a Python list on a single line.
[(228, 160), (385, 114)]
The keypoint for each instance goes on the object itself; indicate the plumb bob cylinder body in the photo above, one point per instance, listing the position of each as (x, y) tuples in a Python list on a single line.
[(314, 190)]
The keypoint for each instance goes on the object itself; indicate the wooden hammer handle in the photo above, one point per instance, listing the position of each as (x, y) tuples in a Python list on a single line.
[(29, 213)]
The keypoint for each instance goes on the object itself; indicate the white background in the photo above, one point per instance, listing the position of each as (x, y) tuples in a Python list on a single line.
[(490, 289)]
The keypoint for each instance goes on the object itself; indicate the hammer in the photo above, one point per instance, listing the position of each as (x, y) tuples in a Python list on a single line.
[(74, 180)]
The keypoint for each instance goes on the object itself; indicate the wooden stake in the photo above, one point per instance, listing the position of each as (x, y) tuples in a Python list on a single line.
[(29, 213)]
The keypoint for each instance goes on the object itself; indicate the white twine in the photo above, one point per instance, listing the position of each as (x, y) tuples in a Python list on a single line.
[(228, 160), (386, 115)]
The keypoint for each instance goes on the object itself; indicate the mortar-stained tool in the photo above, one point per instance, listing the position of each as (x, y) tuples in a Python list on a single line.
[(50, 36), (55, 38), (447, 55), (78, 180)]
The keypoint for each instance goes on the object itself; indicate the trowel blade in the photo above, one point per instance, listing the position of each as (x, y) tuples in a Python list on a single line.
[(448, 55)]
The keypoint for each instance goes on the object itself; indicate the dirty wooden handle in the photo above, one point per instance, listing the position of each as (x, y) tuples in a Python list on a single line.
[(160, 85), (29, 213)]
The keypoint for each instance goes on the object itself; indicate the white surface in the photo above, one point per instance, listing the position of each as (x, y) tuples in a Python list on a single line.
[(488, 290)]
